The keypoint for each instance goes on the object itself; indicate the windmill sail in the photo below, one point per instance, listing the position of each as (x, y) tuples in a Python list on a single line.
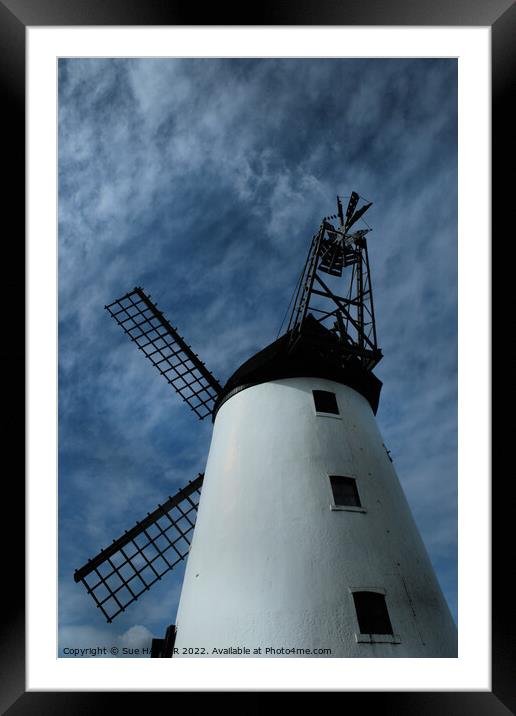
[(353, 201), (118, 575), (167, 350), (356, 216)]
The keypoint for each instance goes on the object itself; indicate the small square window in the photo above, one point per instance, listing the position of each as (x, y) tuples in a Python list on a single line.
[(325, 402), (345, 493), (372, 614)]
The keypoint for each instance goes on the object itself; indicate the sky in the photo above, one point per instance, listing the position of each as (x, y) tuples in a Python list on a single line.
[(203, 181)]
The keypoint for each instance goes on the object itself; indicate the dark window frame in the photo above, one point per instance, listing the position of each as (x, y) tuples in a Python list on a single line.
[(372, 613), (324, 404), (348, 480)]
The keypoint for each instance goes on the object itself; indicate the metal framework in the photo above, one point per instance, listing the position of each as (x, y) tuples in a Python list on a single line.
[(118, 575), (343, 301), (167, 350), (164, 648)]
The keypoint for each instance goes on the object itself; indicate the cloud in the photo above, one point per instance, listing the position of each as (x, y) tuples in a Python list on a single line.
[(88, 642), (203, 181)]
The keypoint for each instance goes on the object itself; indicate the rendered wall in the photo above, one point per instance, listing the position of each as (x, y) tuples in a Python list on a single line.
[(272, 565)]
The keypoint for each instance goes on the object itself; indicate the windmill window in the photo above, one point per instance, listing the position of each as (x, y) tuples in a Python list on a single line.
[(372, 614), (344, 491), (325, 402)]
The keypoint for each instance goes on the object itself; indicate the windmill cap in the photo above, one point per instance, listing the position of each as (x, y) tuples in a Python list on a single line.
[(313, 356)]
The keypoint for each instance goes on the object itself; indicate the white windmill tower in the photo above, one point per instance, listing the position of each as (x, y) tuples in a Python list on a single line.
[(304, 544)]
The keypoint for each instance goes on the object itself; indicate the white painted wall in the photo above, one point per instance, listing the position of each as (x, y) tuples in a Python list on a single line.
[(271, 565)]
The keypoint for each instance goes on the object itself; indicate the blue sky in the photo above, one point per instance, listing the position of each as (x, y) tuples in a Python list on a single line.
[(203, 181)]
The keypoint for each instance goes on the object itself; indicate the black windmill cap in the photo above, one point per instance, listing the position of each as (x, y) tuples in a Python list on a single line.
[(315, 354)]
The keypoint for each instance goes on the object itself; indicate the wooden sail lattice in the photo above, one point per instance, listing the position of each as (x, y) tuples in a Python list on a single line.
[(118, 575), (146, 326)]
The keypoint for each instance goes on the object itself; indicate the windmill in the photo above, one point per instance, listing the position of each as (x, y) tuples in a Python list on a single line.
[(304, 544)]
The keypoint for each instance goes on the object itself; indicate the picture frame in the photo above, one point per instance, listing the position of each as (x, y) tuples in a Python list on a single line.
[(15, 17)]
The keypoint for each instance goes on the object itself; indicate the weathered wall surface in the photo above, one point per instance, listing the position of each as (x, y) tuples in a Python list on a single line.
[(272, 565)]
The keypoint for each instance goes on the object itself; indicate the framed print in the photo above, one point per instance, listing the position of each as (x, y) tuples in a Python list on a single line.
[(115, 165)]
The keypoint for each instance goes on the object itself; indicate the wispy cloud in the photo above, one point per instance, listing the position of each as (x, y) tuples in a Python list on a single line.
[(203, 181)]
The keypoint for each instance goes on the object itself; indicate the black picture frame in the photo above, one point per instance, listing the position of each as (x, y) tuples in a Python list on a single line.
[(15, 17)]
